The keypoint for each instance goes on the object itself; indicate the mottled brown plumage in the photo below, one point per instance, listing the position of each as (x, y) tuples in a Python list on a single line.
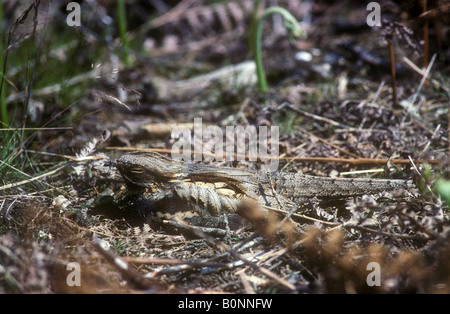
[(161, 182)]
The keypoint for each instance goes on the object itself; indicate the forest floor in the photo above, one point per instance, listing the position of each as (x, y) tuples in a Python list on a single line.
[(76, 98)]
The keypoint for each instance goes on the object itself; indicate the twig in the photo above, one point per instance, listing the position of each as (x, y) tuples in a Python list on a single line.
[(425, 36), (168, 17), (358, 172), (311, 115), (170, 261), (11, 185), (54, 88), (335, 225), (360, 161), (211, 262), (346, 152), (239, 256), (430, 233), (246, 284), (38, 129), (71, 158), (380, 88), (384, 233), (420, 71), (416, 94), (392, 59), (284, 212), (129, 273)]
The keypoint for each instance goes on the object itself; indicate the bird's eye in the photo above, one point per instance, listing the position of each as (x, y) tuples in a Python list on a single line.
[(137, 170)]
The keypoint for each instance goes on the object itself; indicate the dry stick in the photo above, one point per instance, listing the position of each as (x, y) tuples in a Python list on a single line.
[(430, 233), (379, 89), (71, 158), (392, 59), (384, 233), (168, 17), (285, 250), (129, 273), (360, 161), (334, 225), (169, 261), (54, 88), (429, 15), (421, 72), (11, 185), (76, 159), (425, 37), (14, 168), (332, 122), (37, 129), (239, 256), (187, 265), (346, 152), (246, 284), (416, 94), (300, 216), (311, 115)]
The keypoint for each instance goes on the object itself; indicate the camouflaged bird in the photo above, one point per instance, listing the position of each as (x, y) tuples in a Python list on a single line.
[(161, 184)]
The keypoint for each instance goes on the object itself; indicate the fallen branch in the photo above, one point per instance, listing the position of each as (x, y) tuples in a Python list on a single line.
[(239, 256), (359, 161), (15, 184)]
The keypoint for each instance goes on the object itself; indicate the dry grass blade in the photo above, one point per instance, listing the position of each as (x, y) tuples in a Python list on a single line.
[(170, 261), (239, 256), (131, 275), (425, 36), (393, 85), (44, 175), (359, 161), (420, 71)]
